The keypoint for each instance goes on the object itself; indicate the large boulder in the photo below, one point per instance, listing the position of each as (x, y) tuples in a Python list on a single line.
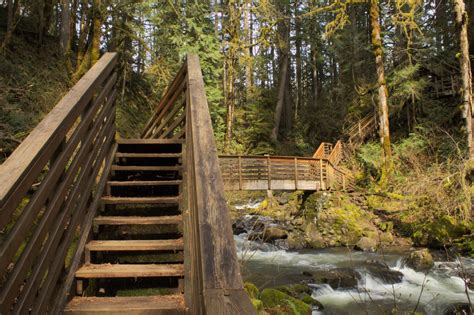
[(381, 271), (420, 260), (366, 244), (339, 278), (274, 233)]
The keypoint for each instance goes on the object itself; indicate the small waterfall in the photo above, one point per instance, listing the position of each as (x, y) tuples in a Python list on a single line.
[(432, 293)]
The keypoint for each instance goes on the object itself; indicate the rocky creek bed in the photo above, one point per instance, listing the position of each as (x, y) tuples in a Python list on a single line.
[(344, 266)]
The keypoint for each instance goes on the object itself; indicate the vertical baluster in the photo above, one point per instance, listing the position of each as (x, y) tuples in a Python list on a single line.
[(240, 172), (269, 173), (296, 174)]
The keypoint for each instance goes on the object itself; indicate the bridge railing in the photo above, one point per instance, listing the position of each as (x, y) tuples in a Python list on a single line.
[(213, 284), (281, 173), (47, 191)]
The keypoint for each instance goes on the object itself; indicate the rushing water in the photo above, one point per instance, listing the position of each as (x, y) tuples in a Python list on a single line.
[(432, 293)]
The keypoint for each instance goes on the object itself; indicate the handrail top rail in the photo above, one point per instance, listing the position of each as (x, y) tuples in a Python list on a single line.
[(264, 157), (53, 128)]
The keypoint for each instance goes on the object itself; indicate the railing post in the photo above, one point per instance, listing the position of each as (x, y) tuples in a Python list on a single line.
[(240, 173), (269, 173), (296, 174), (321, 177)]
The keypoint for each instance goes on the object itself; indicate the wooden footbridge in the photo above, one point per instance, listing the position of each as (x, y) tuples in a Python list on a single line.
[(91, 224)]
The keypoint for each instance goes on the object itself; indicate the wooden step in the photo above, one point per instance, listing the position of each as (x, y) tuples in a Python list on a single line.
[(144, 183), (140, 200), (147, 155), (136, 168), (94, 271), (150, 141), (135, 245), (133, 305), (135, 220)]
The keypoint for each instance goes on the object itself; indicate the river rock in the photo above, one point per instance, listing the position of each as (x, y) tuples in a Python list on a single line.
[(420, 260), (458, 309), (274, 233), (339, 278), (366, 244), (296, 240), (381, 271), (314, 238)]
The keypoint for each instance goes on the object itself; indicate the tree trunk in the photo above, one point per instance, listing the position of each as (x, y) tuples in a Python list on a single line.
[(465, 65), (65, 28), (382, 90), (96, 31), (45, 19), (231, 62), (83, 34), (13, 7), (314, 62), (298, 68), (281, 97), (247, 41)]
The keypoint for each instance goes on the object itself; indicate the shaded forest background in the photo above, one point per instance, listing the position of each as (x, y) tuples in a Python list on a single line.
[(281, 76), (315, 57)]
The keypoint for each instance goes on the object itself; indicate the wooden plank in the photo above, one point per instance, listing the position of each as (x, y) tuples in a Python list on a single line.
[(150, 141), (133, 305), (171, 102), (145, 183), (139, 200), (145, 168), (66, 286), (21, 169), (251, 185), (168, 118), (129, 271), (173, 126), (56, 265), (168, 93), (10, 246), (217, 256), (57, 168), (136, 220), (135, 245), (147, 155)]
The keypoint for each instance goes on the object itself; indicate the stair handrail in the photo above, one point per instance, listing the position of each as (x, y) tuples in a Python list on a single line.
[(336, 154), (46, 188), (213, 283)]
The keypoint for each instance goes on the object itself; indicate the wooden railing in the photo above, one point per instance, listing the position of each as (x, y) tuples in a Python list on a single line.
[(48, 193), (323, 151), (213, 284), (336, 154), (281, 173), (357, 133)]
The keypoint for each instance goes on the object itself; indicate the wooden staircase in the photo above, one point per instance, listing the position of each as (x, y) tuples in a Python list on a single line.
[(140, 220), (90, 224)]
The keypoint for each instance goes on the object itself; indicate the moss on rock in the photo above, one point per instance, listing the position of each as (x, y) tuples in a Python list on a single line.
[(251, 290), (279, 301)]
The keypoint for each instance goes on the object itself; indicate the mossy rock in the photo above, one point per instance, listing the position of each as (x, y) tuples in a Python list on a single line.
[(258, 304), (275, 299), (420, 260), (251, 290), (440, 232)]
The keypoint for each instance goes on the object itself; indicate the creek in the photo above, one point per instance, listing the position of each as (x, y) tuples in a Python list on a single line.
[(437, 291)]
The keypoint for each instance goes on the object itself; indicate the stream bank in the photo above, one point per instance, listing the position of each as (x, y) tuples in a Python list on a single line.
[(354, 260)]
